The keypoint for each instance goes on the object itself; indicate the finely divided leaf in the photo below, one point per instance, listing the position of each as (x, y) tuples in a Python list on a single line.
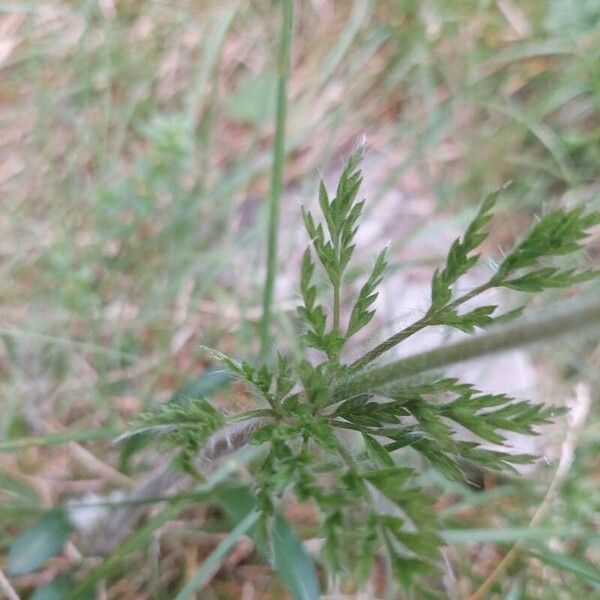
[(469, 321), (548, 277), (558, 233), (361, 315), (459, 259)]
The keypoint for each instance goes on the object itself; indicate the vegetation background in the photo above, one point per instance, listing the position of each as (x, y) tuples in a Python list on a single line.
[(135, 151)]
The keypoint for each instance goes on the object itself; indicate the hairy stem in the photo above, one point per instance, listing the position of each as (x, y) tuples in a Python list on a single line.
[(336, 307), (427, 320), (283, 56), (567, 318)]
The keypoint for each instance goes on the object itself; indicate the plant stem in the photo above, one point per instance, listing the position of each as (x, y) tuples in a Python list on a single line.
[(427, 320), (283, 66), (336, 307), (567, 318)]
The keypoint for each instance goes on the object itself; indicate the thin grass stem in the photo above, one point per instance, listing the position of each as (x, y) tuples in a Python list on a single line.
[(54, 439), (283, 56)]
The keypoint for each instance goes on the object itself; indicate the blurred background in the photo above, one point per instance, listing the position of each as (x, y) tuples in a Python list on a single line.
[(135, 153)]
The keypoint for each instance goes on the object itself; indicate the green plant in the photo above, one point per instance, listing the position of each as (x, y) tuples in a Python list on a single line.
[(130, 218), (368, 495)]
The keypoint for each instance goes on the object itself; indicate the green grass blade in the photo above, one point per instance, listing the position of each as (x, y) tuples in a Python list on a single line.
[(293, 564), (581, 569), (511, 535), (213, 562), (43, 540), (66, 342), (212, 51), (291, 561), (53, 439), (358, 17)]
